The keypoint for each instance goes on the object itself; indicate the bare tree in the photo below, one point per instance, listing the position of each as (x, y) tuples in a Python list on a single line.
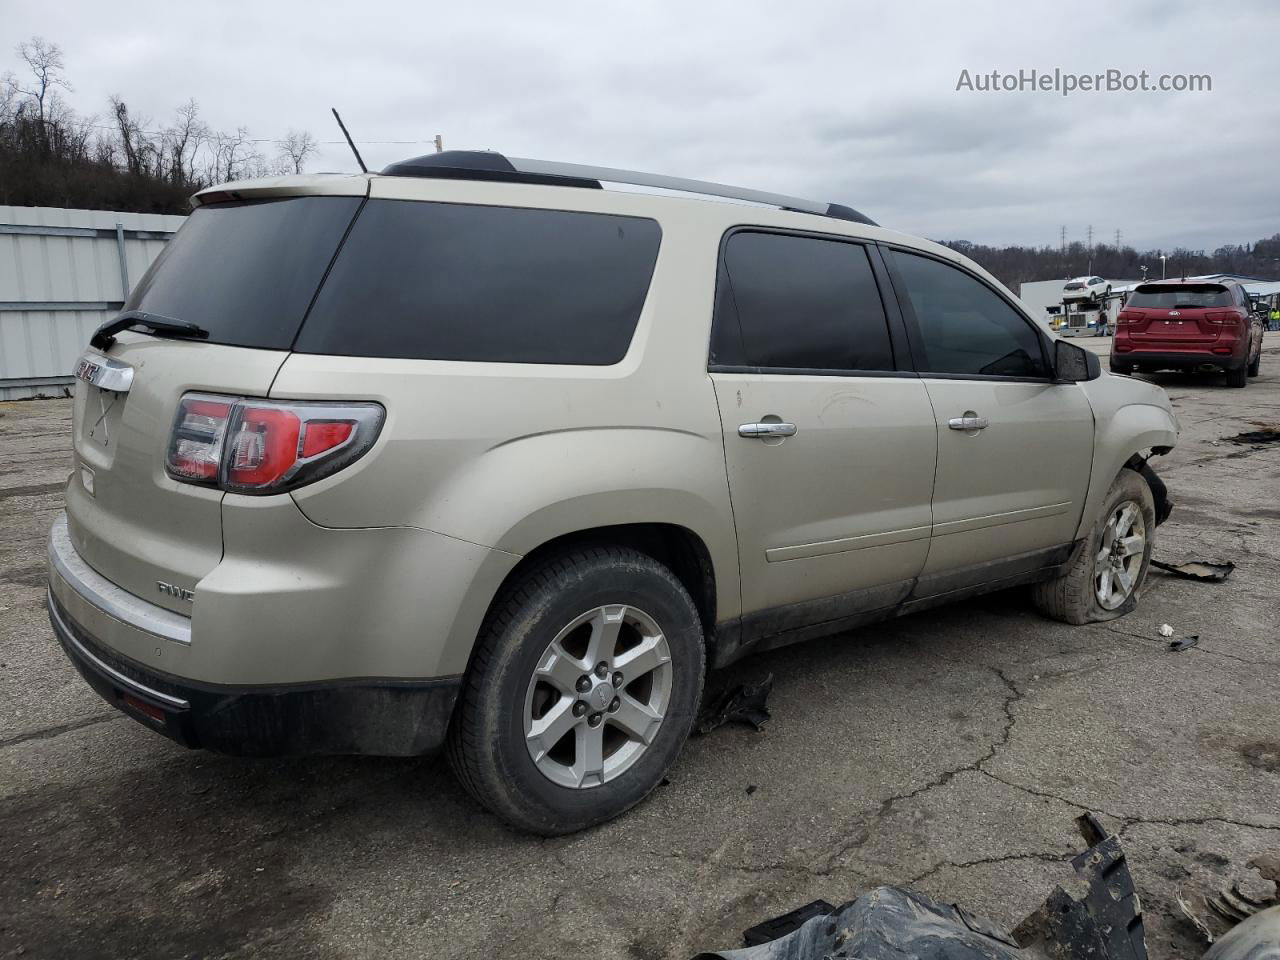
[(295, 149), (183, 140), (131, 137), (10, 98), (45, 61), (234, 157)]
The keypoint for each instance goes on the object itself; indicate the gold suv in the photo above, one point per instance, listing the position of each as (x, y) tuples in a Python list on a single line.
[(478, 452)]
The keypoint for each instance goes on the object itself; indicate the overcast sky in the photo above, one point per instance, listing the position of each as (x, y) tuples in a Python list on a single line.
[(841, 101)]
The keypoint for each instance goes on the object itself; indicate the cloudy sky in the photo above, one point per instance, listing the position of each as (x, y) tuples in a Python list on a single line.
[(853, 102)]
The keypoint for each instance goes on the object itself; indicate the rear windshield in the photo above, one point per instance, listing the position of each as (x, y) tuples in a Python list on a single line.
[(246, 272), (448, 281), (1184, 295), (1074, 286)]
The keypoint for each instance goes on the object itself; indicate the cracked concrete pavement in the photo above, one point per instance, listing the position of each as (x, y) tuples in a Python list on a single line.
[(949, 750)]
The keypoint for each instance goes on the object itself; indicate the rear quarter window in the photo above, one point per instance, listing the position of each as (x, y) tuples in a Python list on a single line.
[(444, 281), (246, 272)]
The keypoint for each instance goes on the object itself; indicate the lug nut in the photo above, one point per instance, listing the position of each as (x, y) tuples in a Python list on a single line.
[(579, 708), (584, 683), (602, 669), (617, 679), (613, 707), (594, 719)]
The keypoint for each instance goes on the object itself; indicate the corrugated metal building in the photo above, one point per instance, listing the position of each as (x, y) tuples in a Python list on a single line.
[(62, 274)]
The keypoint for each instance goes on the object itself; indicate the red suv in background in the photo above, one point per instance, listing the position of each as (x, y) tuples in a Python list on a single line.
[(1188, 325)]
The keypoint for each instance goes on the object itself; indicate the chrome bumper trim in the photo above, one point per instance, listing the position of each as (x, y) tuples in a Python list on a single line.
[(106, 596), (67, 636)]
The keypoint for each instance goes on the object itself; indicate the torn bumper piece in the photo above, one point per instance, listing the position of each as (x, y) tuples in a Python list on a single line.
[(1096, 916)]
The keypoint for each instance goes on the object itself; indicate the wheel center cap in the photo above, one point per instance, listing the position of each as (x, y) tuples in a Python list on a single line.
[(601, 695)]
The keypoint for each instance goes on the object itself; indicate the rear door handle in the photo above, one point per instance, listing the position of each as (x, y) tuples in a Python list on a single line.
[(757, 430), (968, 423)]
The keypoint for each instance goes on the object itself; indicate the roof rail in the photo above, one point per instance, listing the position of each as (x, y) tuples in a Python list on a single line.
[(488, 165)]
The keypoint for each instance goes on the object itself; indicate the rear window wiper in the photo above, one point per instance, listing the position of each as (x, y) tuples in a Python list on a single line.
[(104, 336)]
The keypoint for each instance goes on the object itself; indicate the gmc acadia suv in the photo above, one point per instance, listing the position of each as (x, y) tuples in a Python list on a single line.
[(477, 452)]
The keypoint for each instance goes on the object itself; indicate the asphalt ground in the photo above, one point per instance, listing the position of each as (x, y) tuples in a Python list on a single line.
[(949, 751)]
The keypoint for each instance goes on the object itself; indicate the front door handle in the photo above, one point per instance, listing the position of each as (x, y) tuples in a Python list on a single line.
[(968, 423), (767, 430)]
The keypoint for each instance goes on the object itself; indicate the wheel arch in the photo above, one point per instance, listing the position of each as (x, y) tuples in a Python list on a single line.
[(682, 550), (1121, 443)]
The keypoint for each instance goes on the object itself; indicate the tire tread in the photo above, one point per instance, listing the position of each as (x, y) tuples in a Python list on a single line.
[(466, 743)]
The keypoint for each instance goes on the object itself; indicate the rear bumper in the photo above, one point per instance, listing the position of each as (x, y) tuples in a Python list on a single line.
[(391, 717), (387, 718), (1172, 359)]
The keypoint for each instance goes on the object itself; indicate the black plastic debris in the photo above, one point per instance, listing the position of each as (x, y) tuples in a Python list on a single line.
[(1207, 571), (785, 924), (1267, 435), (1099, 918), (1183, 643), (744, 703)]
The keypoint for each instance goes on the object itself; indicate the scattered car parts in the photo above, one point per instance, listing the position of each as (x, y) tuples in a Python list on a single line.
[(744, 703), (1098, 918), (1207, 571)]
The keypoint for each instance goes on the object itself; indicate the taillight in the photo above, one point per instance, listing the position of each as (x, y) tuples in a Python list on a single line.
[(266, 446), (1130, 316), (195, 448), (1222, 317)]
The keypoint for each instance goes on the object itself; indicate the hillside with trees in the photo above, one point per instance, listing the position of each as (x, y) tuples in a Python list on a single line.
[(1018, 265), (52, 156)]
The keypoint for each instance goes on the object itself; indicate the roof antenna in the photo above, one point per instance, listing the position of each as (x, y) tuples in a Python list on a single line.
[(350, 142)]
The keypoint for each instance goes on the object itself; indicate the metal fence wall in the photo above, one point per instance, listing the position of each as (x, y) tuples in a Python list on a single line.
[(62, 274)]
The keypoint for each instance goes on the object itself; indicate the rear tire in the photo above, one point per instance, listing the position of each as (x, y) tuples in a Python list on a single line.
[(528, 672), (1239, 377), (1074, 596)]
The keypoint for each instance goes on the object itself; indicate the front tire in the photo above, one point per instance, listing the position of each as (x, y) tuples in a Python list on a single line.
[(1104, 577), (582, 690), (1255, 364)]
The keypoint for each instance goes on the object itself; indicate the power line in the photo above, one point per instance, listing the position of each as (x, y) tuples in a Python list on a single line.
[(432, 141)]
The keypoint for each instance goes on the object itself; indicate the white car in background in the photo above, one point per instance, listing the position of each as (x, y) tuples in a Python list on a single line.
[(1086, 288)]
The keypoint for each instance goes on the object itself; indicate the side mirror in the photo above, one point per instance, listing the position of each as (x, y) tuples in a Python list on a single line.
[(1072, 364)]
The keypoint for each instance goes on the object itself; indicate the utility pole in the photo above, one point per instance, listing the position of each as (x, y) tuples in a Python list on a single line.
[(1062, 239), (1117, 238), (439, 144), (1089, 234)]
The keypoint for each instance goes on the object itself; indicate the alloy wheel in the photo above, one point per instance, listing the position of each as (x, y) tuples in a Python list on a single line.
[(598, 696), (1120, 555)]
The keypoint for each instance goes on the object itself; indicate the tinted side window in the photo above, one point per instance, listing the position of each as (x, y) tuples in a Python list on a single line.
[(448, 281), (246, 271), (965, 326), (798, 302)]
